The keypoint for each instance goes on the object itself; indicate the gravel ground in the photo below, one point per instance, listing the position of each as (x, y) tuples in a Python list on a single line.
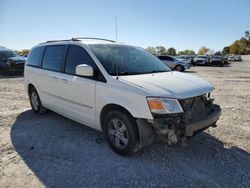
[(52, 151)]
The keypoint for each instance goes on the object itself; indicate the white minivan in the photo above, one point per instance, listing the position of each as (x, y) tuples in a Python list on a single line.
[(122, 90)]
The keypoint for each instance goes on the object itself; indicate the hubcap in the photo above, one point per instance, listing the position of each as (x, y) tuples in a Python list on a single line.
[(34, 101), (118, 133)]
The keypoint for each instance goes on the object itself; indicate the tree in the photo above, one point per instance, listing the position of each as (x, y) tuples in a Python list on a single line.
[(171, 51), (151, 50), (240, 47), (247, 35), (218, 53), (226, 50), (23, 52), (203, 50), (160, 50), (186, 52)]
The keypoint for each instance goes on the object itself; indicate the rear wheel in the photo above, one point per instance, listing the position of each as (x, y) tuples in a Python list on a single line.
[(179, 68), (35, 102), (121, 132)]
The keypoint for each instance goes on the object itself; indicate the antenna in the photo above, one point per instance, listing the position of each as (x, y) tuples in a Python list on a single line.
[(116, 64), (116, 29)]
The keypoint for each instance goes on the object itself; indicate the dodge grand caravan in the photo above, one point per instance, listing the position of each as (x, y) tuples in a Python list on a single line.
[(123, 91)]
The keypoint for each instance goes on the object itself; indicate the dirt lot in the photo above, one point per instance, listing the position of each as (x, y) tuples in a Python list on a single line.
[(52, 151)]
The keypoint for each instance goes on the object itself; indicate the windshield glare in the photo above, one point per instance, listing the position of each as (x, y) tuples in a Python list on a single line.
[(127, 60)]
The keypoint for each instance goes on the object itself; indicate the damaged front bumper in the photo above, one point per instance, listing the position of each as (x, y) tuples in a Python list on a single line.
[(210, 120), (199, 114)]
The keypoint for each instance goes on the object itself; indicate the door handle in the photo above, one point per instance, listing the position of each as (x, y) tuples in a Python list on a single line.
[(65, 80), (55, 77)]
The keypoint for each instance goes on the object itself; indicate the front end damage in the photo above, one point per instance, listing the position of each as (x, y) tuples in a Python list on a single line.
[(199, 114)]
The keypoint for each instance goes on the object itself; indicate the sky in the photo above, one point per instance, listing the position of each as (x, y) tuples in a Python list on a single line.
[(182, 24)]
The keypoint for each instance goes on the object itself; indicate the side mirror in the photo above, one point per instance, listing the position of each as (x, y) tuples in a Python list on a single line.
[(84, 70)]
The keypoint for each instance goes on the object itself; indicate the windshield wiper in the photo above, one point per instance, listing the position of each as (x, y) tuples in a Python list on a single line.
[(124, 73), (156, 71), (134, 73)]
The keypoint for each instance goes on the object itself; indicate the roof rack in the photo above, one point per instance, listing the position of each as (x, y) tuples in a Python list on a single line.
[(49, 41), (78, 39), (91, 38)]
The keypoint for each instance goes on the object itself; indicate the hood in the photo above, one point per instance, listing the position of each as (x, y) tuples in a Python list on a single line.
[(17, 59), (215, 59), (200, 59), (170, 84)]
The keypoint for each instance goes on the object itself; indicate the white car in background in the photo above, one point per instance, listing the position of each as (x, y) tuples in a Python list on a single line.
[(175, 63), (124, 91)]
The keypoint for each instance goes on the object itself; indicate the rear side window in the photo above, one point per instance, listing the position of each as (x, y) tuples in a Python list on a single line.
[(54, 58), (76, 56), (35, 57)]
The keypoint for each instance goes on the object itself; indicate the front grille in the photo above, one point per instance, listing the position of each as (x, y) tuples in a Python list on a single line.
[(19, 65), (196, 108)]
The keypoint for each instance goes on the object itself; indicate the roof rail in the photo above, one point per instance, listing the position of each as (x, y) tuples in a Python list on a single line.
[(67, 40), (77, 39), (91, 38)]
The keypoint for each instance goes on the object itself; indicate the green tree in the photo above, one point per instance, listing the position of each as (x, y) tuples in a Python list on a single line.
[(203, 50), (22, 52), (226, 50), (186, 52), (240, 47), (171, 51), (160, 50)]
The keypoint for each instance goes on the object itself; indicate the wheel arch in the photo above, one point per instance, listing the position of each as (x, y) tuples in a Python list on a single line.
[(112, 106), (30, 85), (179, 65)]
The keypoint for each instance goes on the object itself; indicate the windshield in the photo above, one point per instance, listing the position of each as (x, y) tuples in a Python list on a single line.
[(200, 56), (217, 56), (7, 54), (127, 60)]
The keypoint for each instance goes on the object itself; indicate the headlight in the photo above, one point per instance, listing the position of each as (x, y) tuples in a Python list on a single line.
[(164, 105)]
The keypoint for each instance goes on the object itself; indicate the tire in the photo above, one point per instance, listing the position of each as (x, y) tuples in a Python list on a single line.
[(179, 68), (121, 132), (35, 102)]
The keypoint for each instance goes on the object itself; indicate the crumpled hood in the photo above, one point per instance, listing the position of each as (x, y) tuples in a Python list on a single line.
[(170, 84)]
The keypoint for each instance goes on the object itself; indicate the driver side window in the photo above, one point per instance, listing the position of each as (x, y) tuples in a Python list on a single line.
[(76, 56)]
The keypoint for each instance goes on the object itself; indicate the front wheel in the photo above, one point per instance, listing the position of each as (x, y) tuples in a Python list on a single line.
[(121, 132)]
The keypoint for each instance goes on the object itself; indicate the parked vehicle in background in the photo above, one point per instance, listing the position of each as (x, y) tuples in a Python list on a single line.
[(122, 90), (237, 58), (174, 63), (187, 58), (216, 60), (183, 58), (234, 58), (201, 60), (231, 58), (10, 62)]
